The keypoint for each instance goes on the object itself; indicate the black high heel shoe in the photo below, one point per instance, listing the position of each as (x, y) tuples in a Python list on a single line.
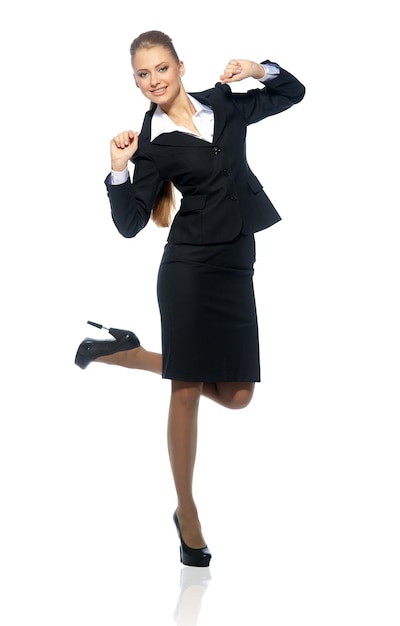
[(91, 349), (197, 557)]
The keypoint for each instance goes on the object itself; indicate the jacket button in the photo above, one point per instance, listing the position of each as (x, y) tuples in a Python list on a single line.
[(233, 197), (225, 172), (217, 150)]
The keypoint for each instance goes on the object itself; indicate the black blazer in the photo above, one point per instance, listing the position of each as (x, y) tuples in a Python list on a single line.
[(221, 197)]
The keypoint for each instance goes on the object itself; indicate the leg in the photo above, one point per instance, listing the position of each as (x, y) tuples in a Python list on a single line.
[(229, 395), (182, 444), (138, 358)]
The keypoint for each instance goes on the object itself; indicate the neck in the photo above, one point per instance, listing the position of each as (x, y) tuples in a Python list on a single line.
[(181, 107)]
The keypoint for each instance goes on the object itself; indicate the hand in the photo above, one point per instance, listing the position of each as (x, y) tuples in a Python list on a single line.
[(239, 69), (122, 147)]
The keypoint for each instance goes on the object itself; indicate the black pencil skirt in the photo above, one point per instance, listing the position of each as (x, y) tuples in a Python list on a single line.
[(208, 312)]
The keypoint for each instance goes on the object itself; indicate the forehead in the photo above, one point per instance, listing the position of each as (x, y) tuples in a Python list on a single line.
[(147, 58)]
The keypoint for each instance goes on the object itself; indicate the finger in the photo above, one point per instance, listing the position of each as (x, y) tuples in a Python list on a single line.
[(230, 77), (232, 70), (124, 139), (233, 67), (119, 140)]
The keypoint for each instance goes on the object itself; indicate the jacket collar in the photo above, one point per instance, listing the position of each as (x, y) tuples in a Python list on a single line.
[(212, 98)]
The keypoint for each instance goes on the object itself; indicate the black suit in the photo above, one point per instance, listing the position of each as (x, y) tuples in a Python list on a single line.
[(220, 195), (205, 286)]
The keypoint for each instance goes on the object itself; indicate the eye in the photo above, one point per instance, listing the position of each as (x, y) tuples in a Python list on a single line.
[(142, 74), (164, 68)]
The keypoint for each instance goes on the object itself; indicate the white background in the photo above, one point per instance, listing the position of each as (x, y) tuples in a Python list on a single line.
[(299, 493)]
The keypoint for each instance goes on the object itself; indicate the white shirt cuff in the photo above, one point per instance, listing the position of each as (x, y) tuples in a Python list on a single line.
[(272, 70), (118, 178)]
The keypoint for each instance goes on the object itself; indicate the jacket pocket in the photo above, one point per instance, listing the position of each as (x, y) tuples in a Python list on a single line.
[(192, 204)]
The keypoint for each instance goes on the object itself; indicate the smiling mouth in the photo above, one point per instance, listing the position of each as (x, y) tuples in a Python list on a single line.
[(159, 92)]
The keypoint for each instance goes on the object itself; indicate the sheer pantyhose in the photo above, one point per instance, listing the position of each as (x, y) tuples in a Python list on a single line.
[(182, 428)]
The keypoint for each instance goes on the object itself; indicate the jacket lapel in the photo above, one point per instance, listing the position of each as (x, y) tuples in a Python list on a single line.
[(211, 98), (214, 99)]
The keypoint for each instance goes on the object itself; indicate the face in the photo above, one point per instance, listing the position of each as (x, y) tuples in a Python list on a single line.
[(158, 74)]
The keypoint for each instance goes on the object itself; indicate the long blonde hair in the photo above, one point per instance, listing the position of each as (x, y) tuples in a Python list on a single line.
[(165, 202)]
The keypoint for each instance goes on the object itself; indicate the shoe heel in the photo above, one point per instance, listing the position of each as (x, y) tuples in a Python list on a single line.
[(117, 333), (95, 324)]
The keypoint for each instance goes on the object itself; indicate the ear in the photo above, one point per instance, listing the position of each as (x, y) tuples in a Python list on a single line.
[(181, 68), (134, 78)]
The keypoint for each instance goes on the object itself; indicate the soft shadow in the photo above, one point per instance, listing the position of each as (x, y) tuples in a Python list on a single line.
[(194, 582)]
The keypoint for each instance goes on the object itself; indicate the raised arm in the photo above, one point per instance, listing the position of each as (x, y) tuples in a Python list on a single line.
[(239, 69), (131, 202), (280, 92)]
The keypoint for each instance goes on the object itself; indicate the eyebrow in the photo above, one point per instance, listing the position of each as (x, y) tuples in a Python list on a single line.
[(144, 69)]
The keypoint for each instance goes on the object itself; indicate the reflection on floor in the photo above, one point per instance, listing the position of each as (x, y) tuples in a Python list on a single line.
[(194, 582)]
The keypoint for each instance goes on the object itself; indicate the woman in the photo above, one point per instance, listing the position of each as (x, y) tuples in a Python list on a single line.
[(196, 143)]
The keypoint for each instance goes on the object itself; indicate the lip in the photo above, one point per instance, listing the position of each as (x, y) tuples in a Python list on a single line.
[(159, 92)]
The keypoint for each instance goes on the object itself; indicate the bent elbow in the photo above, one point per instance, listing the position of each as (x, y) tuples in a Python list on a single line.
[(301, 93), (128, 229)]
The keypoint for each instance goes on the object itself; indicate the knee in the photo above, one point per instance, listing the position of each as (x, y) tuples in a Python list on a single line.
[(186, 394), (236, 396), (241, 399)]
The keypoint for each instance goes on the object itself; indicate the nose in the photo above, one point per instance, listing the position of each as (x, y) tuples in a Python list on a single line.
[(154, 80)]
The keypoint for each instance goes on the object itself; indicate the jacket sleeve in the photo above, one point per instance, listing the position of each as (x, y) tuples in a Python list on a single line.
[(279, 94), (132, 202)]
